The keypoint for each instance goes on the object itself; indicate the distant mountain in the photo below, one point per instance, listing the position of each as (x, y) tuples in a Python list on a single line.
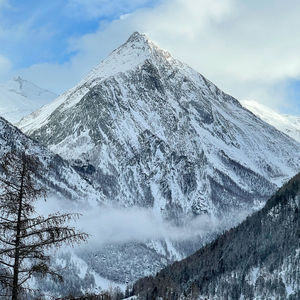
[(259, 259), (149, 131), (20, 97), (288, 124)]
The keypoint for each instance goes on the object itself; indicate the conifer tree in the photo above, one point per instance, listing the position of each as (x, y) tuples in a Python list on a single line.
[(25, 236)]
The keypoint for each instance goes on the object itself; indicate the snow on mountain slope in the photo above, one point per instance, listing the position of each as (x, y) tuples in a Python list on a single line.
[(288, 124), (149, 131), (141, 109), (60, 179), (127, 57), (20, 97)]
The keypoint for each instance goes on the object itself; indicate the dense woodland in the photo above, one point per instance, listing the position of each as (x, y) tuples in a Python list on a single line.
[(258, 258)]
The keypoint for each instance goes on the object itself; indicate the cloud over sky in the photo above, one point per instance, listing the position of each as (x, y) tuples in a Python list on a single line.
[(106, 8), (248, 48), (5, 66)]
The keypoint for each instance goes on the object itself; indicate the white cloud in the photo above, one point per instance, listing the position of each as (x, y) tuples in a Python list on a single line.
[(5, 67), (121, 225), (108, 225), (248, 48), (100, 8)]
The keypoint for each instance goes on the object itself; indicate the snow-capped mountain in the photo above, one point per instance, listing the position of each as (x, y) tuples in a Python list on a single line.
[(259, 259), (159, 134), (149, 131), (20, 97), (288, 124)]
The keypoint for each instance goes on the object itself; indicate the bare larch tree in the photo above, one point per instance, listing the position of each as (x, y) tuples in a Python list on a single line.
[(25, 236)]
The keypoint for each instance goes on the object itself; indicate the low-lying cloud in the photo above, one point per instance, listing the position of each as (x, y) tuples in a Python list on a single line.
[(107, 225)]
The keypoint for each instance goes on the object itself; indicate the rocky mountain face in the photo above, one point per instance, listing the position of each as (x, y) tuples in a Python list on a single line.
[(152, 132), (259, 259), (59, 178), (148, 131), (288, 124), (19, 97)]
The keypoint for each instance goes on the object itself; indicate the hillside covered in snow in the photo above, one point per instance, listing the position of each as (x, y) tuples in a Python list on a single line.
[(19, 97), (288, 124)]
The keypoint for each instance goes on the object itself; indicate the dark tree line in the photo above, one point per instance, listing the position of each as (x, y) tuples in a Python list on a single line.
[(268, 240), (25, 236), (113, 294)]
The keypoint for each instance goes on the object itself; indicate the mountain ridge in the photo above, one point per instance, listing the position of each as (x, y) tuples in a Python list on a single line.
[(138, 42), (59, 178), (288, 124), (20, 97)]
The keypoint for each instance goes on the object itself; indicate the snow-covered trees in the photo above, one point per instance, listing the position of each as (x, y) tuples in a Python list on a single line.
[(26, 236)]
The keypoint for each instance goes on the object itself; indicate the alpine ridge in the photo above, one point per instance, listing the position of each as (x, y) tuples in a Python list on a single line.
[(19, 97), (288, 124), (140, 108), (149, 131), (59, 178)]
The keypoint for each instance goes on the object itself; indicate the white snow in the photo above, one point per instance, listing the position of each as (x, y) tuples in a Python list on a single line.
[(122, 59), (20, 97), (102, 284), (254, 275), (288, 124)]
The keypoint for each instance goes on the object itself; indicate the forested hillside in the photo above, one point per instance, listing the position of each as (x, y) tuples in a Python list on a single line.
[(259, 259)]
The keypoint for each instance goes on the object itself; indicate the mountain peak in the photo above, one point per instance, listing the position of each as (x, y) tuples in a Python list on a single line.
[(137, 37), (19, 80), (143, 43), (134, 52)]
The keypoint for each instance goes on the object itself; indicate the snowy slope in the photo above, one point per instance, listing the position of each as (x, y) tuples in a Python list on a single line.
[(58, 177), (288, 124), (149, 131), (20, 97)]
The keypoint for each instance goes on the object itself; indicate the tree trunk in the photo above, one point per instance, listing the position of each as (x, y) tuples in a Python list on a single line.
[(15, 288)]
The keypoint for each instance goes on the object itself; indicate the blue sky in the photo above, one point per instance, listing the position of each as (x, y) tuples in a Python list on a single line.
[(248, 49), (41, 30), (292, 94)]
